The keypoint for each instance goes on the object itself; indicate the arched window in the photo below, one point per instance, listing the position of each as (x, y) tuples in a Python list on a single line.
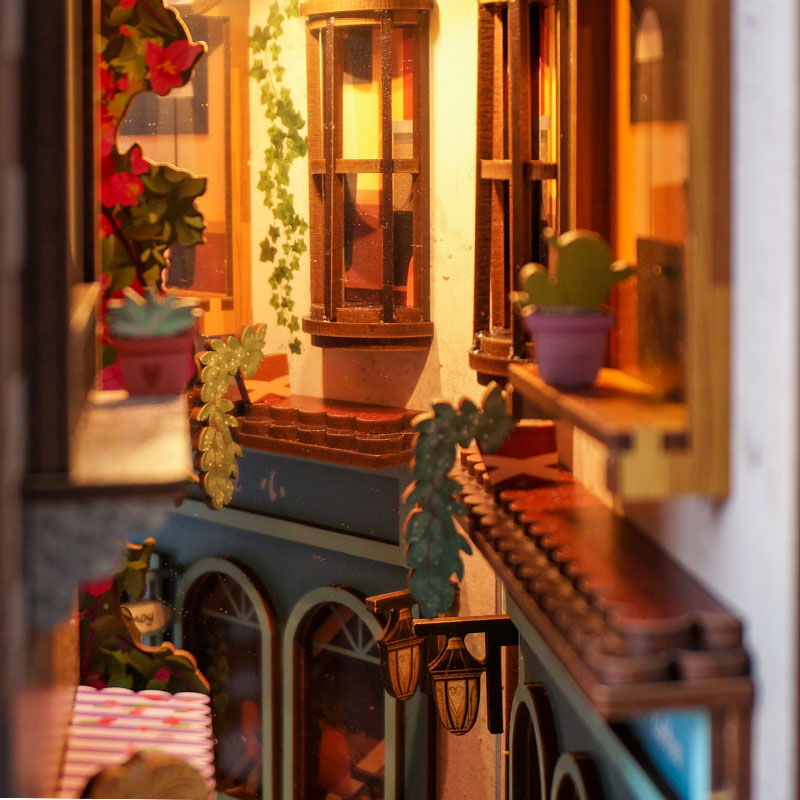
[(226, 623), (342, 723), (534, 748)]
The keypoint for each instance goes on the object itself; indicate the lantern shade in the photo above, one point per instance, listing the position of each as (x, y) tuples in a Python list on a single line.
[(456, 680), (400, 652)]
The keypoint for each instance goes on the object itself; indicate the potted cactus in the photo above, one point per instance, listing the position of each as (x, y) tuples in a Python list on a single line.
[(154, 336), (566, 312)]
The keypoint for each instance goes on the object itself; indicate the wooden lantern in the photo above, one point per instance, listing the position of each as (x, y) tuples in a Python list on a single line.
[(400, 651), (456, 678)]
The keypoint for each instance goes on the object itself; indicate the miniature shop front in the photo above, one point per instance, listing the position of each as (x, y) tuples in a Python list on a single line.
[(348, 203)]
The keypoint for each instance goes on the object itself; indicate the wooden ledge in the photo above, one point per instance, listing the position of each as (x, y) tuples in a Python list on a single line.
[(124, 445), (651, 451), (370, 335), (611, 411), (352, 434), (633, 629)]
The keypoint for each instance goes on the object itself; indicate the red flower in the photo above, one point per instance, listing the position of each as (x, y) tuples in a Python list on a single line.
[(127, 3), (161, 674), (108, 131), (139, 164), (104, 227), (95, 683), (123, 188), (167, 64), (96, 588), (107, 83)]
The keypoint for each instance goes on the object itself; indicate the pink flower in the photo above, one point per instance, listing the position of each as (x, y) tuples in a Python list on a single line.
[(139, 164), (96, 588), (167, 64), (123, 188)]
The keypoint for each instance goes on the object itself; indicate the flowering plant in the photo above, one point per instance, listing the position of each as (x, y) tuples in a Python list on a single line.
[(145, 207)]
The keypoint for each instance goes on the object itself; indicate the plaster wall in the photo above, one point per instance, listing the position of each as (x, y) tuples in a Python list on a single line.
[(408, 379), (744, 548)]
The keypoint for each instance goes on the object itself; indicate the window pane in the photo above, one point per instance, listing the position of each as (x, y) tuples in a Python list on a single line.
[(548, 110), (190, 128), (361, 108), (342, 709), (652, 212), (222, 631), (403, 92), (363, 239), (402, 197)]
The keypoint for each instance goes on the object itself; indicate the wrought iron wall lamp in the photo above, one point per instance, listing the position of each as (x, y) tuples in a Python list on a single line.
[(456, 674)]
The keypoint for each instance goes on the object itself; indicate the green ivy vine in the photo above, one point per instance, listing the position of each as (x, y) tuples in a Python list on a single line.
[(433, 545), (219, 450), (284, 242)]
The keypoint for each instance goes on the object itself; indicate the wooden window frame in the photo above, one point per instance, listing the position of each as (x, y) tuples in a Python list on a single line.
[(510, 171), (294, 689), (333, 322), (651, 448)]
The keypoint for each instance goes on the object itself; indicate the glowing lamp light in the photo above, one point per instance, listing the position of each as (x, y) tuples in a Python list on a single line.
[(456, 677), (400, 652)]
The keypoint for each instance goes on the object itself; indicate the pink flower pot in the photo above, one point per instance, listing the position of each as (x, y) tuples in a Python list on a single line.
[(570, 346), (158, 365)]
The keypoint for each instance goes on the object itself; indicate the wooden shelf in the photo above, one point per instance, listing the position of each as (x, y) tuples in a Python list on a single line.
[(648, 439), (125, 445), (613, 411)]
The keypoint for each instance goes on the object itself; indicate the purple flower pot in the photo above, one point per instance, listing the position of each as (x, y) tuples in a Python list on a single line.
[(570, 345)]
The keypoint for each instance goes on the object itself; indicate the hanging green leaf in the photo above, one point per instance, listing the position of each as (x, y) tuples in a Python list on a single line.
[(219, 451), (433, 544), (284, 122)]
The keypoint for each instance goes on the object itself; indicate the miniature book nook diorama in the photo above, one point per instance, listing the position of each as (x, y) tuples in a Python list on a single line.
[(307, 559)]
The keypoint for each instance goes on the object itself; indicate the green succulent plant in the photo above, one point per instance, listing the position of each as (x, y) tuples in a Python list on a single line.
[(138, 317), (586, 272)]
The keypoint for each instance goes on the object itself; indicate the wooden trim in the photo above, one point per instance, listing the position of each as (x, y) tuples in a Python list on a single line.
[(422, 222), (567, 13), (310, 8), (328, 147), (501, 170), (520, 111), (53, 114), (387, 205), (496, 169), (484, 230), (377, 165), (358, 330), (318, 211), (708, 251)]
